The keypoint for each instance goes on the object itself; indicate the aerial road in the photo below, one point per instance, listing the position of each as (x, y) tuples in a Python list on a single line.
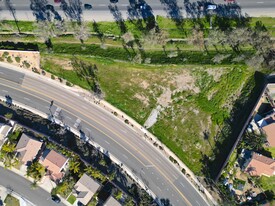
[(143, 159), (101, 12), (22, 187)]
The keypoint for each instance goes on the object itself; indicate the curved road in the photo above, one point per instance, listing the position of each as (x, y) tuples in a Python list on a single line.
[(145, 161), (22, 186)]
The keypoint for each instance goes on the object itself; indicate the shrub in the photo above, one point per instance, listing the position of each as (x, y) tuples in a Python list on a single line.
[(52, 76), (9, 59), (68, 84), (26, 64), (17, 59), (2, 59), (35, 70), (5, 54)]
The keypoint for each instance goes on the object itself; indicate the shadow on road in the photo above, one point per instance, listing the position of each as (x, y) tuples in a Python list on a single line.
[(72, 9), (118, 18)]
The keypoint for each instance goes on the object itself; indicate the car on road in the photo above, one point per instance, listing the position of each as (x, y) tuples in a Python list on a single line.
[(56, 199), (88, 6), (113, 1), (57, 1)]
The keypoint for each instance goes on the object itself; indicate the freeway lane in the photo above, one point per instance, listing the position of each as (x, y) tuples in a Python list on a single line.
[(113, 135), (100, 11), (22, 186)]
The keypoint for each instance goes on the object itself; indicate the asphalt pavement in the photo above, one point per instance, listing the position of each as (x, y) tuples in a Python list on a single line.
[(22, 187), (100, 8), (143, 159)]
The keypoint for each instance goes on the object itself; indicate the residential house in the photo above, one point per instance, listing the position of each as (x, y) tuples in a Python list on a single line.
[(85, 188), (55, 164), (111, 202), (27, 148), (270, 133), (4, 131), (259, 165)]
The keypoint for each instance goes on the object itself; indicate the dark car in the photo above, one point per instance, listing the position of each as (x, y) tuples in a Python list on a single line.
[(113, 1), (49, 7), (88, 6), (57, 1), (56, 199)]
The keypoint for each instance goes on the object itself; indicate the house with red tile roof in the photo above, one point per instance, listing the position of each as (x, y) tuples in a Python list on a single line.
[(55, 164), (260, 165), (270, 134), (27, 148)]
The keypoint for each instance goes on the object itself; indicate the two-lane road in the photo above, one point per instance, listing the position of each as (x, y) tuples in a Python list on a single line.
[(156, 171), (22, 187)]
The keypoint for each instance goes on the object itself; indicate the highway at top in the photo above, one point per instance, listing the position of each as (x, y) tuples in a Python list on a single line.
[(156, 171), (101, 12)]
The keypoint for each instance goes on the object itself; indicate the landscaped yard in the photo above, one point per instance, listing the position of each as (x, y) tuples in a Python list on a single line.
[(268, 183), (71, 199), (11, 201)]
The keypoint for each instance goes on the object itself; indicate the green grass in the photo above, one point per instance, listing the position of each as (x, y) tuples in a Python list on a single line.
[(271, 150), (71, 199), (11, 201), (268, 183), (123, 83)]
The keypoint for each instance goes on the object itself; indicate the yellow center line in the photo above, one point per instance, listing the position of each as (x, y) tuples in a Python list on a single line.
[(159, 170)]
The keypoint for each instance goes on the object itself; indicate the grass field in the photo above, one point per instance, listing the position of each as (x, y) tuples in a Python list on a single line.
[(268, 183), (195, 99)]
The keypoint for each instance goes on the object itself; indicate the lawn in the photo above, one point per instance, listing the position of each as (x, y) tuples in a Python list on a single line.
[(268, 183), (195, 99), (71, 199), (11, 201), (271, 150)]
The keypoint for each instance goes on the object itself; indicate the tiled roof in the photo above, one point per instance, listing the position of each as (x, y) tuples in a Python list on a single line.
[(261, 165), (27, 148), (270, 134)]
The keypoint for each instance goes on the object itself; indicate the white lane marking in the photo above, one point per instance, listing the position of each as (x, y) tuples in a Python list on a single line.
[(260, 2), (140, 144), (123, 131), (175, 176), (158, 160), (125, 156), (142, 171), (83, 107), (4, 90), (198, 203), (182, 184), (106, 142), (68, 118), (64, 96), (162, 183), (102, 118), (158, 188), (88, 129), (26, 98), (152, 173)]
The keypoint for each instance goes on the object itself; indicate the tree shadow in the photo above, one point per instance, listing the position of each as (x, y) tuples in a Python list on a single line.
[(12, 10), (139, 12), (118, 18), (174, 12), (38, 8), (72, 9), (99, 33)]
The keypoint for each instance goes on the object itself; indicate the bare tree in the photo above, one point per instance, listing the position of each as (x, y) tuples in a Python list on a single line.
[(155, 37), (82, 32), (197, 38)]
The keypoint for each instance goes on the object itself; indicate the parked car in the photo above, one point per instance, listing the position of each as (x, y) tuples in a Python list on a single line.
[(88, 6), (114, 1), (57, 1), (56, 199)]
